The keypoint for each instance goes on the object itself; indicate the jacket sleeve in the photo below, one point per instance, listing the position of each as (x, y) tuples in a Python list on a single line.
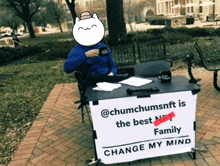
[(112, 65), (74, 60)]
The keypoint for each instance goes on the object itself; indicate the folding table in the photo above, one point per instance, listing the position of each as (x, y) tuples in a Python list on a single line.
[(132, 123)]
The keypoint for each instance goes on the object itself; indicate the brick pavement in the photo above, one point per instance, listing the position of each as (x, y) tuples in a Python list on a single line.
[(57, 137)]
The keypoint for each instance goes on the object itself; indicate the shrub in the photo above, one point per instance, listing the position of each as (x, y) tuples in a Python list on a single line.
[(51, 50), (9, 54), (176, 37), (44, 51), (193, 32), (199, 32), (217, 32)]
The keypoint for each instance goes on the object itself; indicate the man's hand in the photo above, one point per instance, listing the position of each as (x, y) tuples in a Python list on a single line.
[(92, 53), (111, 74)]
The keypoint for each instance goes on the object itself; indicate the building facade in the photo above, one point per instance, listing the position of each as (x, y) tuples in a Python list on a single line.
[(139, 8), (196, 8)]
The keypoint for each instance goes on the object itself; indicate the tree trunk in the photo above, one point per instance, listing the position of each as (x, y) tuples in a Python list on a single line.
[(61, 30), (30, 29), (71, 6), (116, 22), (25, 28), (27, 18)]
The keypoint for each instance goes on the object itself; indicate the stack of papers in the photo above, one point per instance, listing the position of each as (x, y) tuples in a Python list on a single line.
[(106, 86), (133, 81), (136, 81)]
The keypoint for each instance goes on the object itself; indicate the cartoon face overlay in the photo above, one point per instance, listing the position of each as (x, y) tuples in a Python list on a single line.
[(88, 32)]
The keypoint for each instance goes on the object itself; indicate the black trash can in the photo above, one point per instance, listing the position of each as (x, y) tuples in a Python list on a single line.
[(189, 20), (207, 18), (168, 23)]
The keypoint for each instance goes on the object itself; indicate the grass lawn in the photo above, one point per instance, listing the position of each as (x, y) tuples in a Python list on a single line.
[(24, 89), (40, 38)]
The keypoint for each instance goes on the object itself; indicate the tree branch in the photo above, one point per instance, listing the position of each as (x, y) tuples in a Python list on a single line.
[(28, 1), (68, 3), (32, 14), (14, 6)]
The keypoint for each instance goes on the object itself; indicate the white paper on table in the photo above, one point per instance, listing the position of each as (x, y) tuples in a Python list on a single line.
[(106, 86), (136, 81)]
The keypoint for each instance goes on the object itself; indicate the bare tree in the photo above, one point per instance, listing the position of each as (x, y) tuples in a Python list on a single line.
[(129, 13), (115, 17), (25, 9), (71, 5), (55, 13), (9, 19), (134, 9), (98, 7)]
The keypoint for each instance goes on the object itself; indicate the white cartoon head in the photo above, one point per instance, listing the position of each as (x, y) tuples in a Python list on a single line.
[(88, 31)]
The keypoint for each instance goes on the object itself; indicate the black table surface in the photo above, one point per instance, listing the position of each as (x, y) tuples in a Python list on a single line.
[(177, 84)]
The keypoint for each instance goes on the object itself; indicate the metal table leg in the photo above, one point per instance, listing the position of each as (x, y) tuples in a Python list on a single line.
[(215, 80)]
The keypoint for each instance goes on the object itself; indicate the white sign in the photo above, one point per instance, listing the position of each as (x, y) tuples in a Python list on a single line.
[(134, 128)]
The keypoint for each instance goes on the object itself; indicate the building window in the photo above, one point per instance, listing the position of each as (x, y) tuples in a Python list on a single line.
[(76, 4), (169, 7), (87, 3), (172, 4), (190, 9), (94, 3), (162, 7), (200, 7), (158, 7)]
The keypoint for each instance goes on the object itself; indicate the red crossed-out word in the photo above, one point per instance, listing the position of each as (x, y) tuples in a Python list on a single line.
[(164, 119)]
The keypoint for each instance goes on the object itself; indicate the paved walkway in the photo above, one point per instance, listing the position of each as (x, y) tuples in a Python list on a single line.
[(57, 137)]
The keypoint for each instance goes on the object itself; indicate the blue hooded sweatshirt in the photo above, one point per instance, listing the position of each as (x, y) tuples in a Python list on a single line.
[(100, 65)]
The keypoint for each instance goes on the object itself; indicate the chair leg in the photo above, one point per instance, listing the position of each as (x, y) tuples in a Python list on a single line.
[(82, 112), (215, 80), (88, 114), (86, 111), (83, 103)]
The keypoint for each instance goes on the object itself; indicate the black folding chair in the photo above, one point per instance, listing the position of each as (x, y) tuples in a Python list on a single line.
[(152, 68), (209, 64), (83, 100), (152, 48), (123, 53)]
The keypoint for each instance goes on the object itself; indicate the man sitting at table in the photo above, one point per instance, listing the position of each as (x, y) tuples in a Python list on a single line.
[(90, 57)]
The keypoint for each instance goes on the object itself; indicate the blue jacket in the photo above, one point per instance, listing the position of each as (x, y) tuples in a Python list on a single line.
[(100, 65)]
